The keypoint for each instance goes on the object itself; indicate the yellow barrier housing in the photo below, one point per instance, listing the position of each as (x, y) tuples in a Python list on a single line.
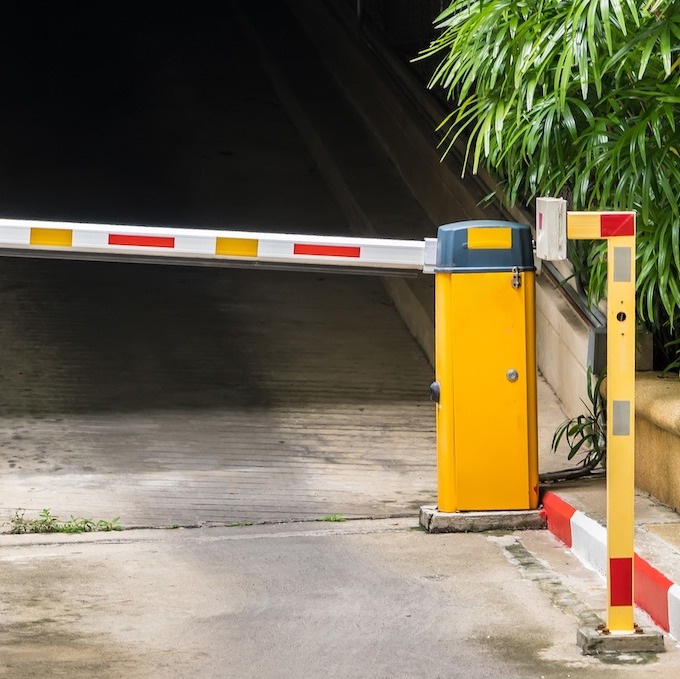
[(485, 389)]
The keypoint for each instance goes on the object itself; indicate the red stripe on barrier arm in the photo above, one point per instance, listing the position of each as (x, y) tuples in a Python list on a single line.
[(651, 592), (621, 581), (327, 250), (142, 241), (558, 513), (617, 224)]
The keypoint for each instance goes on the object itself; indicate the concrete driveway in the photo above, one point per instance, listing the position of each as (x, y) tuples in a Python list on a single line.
[(358, 599)]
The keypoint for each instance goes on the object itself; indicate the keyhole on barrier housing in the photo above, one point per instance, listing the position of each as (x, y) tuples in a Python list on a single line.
[(621, 316)]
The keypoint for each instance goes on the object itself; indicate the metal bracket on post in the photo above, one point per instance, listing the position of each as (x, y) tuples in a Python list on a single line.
[(430, 255), (551, 229)]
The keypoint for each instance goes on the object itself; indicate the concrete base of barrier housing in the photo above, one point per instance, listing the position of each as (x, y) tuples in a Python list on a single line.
[(434, 521), (601, 642)]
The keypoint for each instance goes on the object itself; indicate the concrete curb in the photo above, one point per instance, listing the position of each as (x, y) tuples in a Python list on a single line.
[(654, 593), (434, 521)]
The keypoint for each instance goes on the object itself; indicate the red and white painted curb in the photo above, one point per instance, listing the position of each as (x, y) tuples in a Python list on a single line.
[(587, 539)]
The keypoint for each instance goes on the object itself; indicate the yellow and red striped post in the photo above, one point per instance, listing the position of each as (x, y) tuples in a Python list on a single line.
[(618, 228)]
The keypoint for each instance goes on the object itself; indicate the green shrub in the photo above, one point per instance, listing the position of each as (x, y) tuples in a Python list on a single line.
[(576, 98)]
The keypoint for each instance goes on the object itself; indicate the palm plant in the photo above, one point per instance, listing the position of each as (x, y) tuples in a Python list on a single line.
[(585, 434), (578, 98)]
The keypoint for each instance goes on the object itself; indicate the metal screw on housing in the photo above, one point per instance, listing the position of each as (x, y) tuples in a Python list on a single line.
[(516, 280), (512, 375)]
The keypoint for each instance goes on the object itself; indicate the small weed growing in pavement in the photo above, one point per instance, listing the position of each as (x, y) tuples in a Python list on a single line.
[(50, 523), (334, 517), (238, 524)]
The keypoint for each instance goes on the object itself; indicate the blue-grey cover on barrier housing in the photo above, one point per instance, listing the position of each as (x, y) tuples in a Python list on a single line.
[(454, 256)]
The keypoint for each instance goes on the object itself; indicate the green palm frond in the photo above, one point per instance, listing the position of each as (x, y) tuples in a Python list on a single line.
[(577, 95)]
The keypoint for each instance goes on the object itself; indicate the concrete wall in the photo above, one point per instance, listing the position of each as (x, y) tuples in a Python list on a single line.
[(406, 23), (657, 439), (561, 346)]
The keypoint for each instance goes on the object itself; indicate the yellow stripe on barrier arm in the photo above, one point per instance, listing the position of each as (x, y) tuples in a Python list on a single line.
[(236, 247), (52, 237)]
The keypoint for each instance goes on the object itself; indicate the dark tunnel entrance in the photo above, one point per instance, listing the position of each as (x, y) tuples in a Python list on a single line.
[(109, 111), (181, 395), (139, 113)]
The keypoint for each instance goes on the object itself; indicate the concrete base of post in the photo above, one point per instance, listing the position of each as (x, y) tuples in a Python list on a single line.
[(602, 642), (434, 521)]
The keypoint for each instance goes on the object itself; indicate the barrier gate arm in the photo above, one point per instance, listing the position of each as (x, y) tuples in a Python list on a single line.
[(168, 245)]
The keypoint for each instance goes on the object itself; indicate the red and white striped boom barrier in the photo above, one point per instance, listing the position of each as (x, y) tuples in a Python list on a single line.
[(66, 240)]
